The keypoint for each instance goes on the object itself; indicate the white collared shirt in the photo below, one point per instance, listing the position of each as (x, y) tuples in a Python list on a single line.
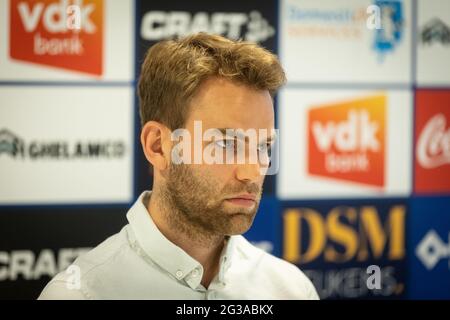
[(139, 262)]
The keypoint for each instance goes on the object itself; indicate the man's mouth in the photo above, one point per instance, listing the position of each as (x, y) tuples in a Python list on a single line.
[(244, 200)]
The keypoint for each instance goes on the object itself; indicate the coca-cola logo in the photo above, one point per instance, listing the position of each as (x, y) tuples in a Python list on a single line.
[(433, 146)]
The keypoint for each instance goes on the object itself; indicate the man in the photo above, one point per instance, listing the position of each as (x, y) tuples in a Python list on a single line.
[(183, 238)]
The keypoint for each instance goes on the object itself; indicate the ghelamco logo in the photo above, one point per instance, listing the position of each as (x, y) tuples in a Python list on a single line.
[(252, 26), (66, 34), (18, 149)]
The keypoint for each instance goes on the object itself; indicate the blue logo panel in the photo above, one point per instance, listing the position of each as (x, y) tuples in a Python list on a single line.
[(429, 249)]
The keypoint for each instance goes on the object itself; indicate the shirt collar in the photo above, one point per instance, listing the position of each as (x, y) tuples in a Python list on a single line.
[(226, 257), (165, 253)]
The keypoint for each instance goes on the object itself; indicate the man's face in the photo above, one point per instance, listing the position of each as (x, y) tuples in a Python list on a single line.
[(209, 194)]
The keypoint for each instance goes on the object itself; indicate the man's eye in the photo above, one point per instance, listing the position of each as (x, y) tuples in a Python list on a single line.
[(265, 148), (225, 144)]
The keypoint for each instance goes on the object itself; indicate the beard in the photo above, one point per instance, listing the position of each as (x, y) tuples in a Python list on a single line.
[(196, 206)]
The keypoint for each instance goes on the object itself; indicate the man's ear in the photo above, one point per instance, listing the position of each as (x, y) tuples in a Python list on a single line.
[(156, 142)]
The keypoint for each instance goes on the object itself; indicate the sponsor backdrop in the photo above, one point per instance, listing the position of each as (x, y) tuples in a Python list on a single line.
[(363, 187)]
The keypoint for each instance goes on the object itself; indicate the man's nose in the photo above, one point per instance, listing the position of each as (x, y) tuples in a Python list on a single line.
[(248, 172)]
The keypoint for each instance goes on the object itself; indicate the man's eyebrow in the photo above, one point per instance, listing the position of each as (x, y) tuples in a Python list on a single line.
[(239, 134)]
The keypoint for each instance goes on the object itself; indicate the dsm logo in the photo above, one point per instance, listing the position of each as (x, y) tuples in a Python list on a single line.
[(344, 234)]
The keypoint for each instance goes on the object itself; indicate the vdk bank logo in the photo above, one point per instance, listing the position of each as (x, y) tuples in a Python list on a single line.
[(346, 141), (66, 34), (392, 24), (432, 249)]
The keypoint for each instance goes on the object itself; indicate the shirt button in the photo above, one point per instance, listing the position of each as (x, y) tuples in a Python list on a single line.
[(179, 274), (195, 273)]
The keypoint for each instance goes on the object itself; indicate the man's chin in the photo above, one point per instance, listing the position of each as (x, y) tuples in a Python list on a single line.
[(239, 223)]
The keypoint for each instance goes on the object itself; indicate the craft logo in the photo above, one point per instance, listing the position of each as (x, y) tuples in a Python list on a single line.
[(392, 24), (252, 26), (66, 34), (435, 31), (432, 165), (346, 141), (17, 148), (27, 265)]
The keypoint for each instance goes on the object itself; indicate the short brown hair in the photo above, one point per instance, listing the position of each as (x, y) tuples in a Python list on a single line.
[(173, 70)]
